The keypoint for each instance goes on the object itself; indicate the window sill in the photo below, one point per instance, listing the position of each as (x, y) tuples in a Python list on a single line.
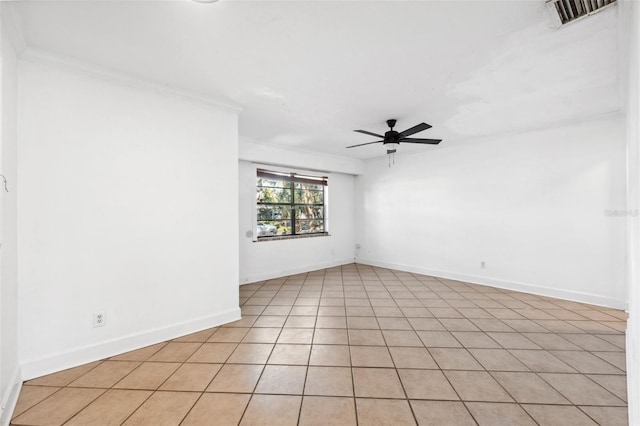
[(292, 237)]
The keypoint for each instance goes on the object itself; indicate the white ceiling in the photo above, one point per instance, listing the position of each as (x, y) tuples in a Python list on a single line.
[(307, 73)]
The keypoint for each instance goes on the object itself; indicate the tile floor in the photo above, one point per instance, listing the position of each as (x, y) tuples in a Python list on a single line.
[(360, 345)]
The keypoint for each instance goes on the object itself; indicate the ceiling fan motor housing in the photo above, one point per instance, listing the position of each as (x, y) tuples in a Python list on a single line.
[(391, 137)]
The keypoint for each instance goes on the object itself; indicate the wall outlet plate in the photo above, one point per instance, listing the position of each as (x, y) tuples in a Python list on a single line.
[(99, 319)]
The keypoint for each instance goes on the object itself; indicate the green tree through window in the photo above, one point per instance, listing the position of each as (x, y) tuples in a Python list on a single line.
[(290, 204)]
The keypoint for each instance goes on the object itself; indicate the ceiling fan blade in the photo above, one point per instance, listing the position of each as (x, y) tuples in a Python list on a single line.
[(369, 133), (427, 141), (415, 129), (361, 144)]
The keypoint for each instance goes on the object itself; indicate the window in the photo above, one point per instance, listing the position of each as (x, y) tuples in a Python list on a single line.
[(290, 204)]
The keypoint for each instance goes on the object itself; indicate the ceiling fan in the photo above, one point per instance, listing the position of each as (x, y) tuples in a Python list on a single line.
[(394, 137)]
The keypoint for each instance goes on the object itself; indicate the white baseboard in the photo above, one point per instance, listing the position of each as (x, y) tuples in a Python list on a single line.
[(575, 296), (293, 271), (73, 358), (10, 398)]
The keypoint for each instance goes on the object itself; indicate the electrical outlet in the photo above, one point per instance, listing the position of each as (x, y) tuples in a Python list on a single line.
[(483, 265), (99, 319)]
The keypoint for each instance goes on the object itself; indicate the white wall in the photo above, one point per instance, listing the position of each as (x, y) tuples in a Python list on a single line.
[(10, 376), (531, 205), (260, 260), (630, 41), (265, 153), (128, 204)]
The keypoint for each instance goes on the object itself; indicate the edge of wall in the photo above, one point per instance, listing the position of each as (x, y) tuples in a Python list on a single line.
[(79, 356), (294, 271), (592, 299), (11, 398)]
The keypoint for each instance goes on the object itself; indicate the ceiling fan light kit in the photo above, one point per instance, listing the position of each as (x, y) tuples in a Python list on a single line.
[(393, 137)]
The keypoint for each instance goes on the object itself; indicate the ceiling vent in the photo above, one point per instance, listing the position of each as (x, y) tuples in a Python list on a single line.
[(565, 11)]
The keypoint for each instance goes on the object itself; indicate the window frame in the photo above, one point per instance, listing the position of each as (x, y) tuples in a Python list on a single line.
[(293, 177)]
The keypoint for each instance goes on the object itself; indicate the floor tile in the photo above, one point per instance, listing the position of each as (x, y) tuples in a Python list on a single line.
[(426, 384), (528, 388), (580, 390), (586, 363), (438, 339), (384, 412), (590, 342), (175, 352), (282, 379), (513, 341), (610, 416), (551, 341), (617, 359), (442, 413), (362, 323), (304, 311), (370, 356), (31, 395), (474, 339), (149, 376), (163, 408), (401, 338), (63, 378), (542, 361), (142, 354), (246, 321), (59, 407), (330, 355), (477, 386), (300, 322), (498, 360), (558, 415), (290, 354), (616, 384), (454, 359), (366, 337), (330, 337), (272, 410), (324, 411), (251, 353), (460, 324), (191, 377), (494, 325), (329, 381), (236, 378), (416, 358), (269, 321), (233, 334), (276, 310), (494, 414), (426, 324), (377, 383), (524, 326), (225, 408), (106, 374), (213, 352), (359, 311), (262, 335), (331, 322), (296, 335), (363, 340), (111, 408), (199, 337)]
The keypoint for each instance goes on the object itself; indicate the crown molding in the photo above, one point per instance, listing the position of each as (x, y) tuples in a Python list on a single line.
[(113, 76)]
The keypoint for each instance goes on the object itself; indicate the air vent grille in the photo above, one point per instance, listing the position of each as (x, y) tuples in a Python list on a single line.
[(570, 10)]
